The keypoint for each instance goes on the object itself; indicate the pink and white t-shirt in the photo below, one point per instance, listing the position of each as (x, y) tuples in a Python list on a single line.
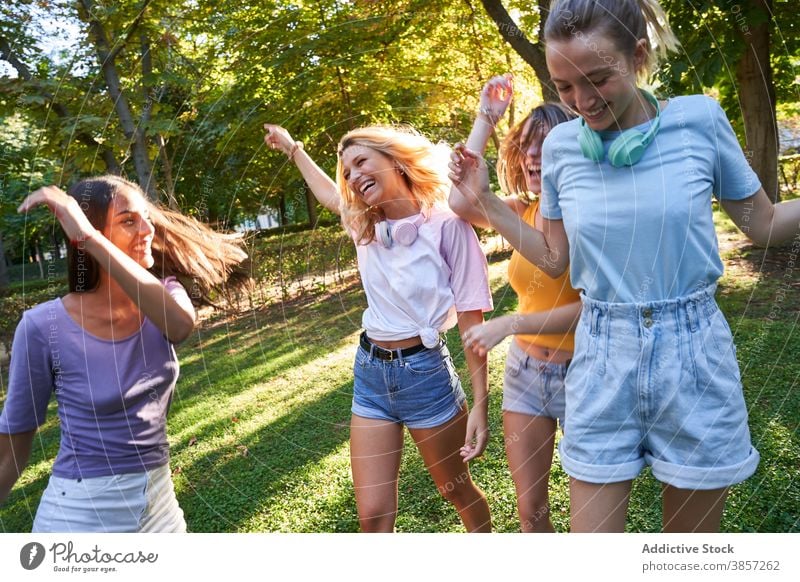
[(418, 289)]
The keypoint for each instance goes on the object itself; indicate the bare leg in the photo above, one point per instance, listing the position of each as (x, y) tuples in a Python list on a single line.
[(376, 447), (529, 448), (439, 447), (686, 510), (598, 507)]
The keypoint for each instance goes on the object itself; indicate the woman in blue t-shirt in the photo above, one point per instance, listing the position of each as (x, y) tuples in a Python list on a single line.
[(626, 197), (106, 350)]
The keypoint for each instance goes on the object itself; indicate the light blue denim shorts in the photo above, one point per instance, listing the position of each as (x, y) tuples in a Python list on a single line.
[(128, 503), (656, 384), (533, 387), (420, 391)]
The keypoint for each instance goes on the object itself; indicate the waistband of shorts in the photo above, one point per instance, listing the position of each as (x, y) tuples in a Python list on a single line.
[(532, 361), (701, 297), (374, 350)]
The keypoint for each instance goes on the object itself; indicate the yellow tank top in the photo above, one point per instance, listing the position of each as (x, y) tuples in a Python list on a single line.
[(538, 292)]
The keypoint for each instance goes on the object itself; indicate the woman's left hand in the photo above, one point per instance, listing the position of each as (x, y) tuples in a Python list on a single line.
[(477, 433), (75, 223)]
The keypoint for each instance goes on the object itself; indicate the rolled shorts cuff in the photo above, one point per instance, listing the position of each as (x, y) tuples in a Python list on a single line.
[(702, 478), (600, 473), (432, 422), (441, 418)]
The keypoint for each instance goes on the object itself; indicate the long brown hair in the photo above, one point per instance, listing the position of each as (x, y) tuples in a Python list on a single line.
[(204, 259)]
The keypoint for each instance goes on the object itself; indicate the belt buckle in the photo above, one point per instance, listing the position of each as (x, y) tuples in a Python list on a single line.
[(385, 354)]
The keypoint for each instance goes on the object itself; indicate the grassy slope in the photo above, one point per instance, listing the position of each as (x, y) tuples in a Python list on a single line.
[(259, 424)]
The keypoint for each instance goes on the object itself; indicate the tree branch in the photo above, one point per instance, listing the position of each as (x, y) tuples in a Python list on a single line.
[(531, 53), (131, 30)]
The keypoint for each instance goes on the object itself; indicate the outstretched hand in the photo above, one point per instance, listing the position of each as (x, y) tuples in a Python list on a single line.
[(278, 138), (75, 223), (483, 337)]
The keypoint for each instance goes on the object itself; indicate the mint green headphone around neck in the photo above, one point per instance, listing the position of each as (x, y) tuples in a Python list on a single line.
[(628, 148)]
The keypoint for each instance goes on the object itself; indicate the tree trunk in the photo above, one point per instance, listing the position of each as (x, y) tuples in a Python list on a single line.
[(282, 209), (757, 98), (166, 168), (3, 266), (135, 133), (531, 53), (311, 204), (37, 253)]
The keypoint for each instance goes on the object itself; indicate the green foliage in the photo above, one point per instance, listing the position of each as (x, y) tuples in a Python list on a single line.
[(222, 69), (711, 34), (303, 262)]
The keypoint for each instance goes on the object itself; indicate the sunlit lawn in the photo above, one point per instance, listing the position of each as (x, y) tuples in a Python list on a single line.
[(259, 424)]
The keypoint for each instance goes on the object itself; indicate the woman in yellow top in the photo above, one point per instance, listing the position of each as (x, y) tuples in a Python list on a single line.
[(533, 390)]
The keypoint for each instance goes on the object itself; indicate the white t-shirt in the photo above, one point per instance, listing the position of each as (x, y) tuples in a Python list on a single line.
[(418, 289)]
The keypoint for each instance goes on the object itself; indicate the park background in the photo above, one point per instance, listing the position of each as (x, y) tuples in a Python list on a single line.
[(173, 95)]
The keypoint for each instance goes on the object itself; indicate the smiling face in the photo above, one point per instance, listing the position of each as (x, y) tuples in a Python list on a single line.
[(598, 81), (530, 144), (129, 228), (372, 176)]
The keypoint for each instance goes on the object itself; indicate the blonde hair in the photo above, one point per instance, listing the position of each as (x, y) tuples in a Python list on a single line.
[(625, 22), (539, 122), (422, 164)]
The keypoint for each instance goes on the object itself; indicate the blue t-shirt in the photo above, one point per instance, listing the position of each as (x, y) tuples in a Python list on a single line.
[(645, 232), (113, 395)]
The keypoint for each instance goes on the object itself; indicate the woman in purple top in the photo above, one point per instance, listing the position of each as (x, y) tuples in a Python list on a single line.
[(106, 350)]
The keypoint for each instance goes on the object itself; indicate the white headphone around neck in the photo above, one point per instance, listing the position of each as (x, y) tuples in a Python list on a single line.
[(404, 232)]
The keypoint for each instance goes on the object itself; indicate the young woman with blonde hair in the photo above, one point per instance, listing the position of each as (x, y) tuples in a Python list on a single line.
[(423, 271), (105, 350)]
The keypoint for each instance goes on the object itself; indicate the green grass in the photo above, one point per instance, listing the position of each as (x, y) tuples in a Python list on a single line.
[(259, 424)]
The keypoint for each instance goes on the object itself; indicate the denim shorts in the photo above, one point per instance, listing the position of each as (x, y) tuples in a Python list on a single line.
[(419, 391), (656, 384), (533, 387), (127, 503)]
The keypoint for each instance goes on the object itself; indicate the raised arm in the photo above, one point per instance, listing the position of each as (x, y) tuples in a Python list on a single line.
[(763, 222), (495, 97), (321, 185), (483, 337), (175, 319), (15, 451), (547, 249)]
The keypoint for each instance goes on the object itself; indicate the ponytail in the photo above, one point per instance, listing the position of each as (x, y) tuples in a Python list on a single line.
[(624, 22), (658, 26)]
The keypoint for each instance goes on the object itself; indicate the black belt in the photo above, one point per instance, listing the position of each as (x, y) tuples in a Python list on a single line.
[(386, 354)]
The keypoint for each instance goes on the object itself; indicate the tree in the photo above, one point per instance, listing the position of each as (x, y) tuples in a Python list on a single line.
[(3, 265), (730, 46), (532, 53)]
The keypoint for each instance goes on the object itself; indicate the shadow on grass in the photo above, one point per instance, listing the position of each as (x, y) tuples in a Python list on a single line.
[(228, 487)]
